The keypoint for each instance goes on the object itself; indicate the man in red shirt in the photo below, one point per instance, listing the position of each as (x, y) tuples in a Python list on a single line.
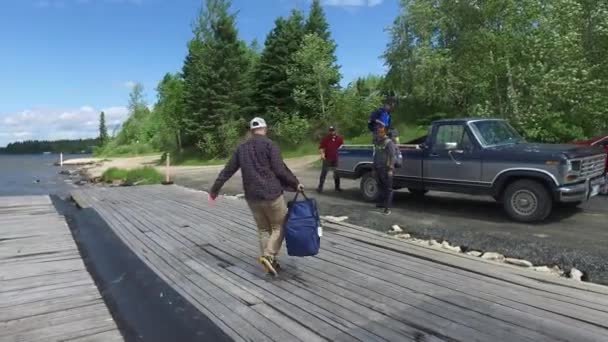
[(329, 153)]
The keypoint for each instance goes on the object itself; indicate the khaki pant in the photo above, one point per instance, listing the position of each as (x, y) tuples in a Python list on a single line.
[(269, 217)]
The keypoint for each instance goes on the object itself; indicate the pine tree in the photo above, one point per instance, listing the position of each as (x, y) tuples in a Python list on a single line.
[(316, 22), (216, 89), (170, 105), (274, 88), (103, 130), (313, 75)]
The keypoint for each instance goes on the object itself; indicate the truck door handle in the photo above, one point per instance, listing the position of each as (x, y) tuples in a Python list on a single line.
[(433, 155), (452, 156)]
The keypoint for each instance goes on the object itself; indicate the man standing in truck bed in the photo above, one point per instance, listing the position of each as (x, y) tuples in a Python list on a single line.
[(381, 118), (329, 154), (384, 166)]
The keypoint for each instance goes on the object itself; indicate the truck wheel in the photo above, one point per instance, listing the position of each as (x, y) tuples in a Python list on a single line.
[(527, 201), (417, 192), (369, 187)]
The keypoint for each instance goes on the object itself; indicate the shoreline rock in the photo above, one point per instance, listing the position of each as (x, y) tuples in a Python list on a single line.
[(493, 256), (519, 262)]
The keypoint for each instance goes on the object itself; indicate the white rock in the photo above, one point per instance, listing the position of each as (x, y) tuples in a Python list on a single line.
[(575, 274), (240, 195), (395, 229), (553, 270), (518, 262), (446, 245), (556, 270), (335, 219), (434, 243), (474, 253), (493, 256), (544, 269), (403, 236)]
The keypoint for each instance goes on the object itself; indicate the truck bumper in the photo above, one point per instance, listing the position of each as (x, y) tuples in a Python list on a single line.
[(583, 191)]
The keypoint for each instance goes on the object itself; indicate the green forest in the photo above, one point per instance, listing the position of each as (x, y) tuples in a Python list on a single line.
[(539, 64), (56, 146)]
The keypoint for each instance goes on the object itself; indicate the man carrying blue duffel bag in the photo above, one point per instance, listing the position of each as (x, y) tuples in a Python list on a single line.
[(265, 177)]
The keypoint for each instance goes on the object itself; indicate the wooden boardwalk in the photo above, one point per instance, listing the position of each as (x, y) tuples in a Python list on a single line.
[(363, 285), (46, 293)]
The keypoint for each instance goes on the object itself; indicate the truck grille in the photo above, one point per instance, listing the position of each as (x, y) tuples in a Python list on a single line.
[(593, 166)]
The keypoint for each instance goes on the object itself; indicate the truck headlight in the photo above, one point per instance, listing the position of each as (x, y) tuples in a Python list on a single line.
[(573, 170)]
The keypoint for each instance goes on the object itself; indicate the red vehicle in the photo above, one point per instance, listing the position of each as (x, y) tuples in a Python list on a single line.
[(601, 141)]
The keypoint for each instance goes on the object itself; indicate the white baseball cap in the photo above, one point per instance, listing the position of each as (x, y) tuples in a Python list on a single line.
[(257, 123)]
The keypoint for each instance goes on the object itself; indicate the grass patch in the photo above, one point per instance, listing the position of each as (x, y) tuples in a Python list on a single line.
[(193, 157), (304, 149), (190, 157), (131, 150), (144, 176), (199, 162), (113, 174), (140, 176)]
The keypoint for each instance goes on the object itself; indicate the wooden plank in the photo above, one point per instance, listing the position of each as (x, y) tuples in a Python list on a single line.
[(273, 291), (14, 271), (113, 209), (426, 270), (39, 308), (43, 280), (223, 315), (104, 336), (46, 320), (46, 293)]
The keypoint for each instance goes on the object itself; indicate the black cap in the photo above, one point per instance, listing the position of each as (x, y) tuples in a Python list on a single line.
[(332, 128)]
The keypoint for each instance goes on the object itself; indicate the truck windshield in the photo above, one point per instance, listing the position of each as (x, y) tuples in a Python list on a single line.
[(496, 132)]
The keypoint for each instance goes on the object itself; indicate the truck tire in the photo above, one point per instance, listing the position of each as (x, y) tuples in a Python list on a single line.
[(417, 192), (369, 187), (527, 200)]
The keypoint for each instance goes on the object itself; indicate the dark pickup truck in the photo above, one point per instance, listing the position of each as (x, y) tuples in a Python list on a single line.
[(487, 157)]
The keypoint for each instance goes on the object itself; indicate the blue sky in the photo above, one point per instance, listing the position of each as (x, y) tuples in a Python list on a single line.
[(62, 61)]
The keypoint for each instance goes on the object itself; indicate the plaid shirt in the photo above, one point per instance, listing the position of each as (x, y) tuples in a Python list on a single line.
[(265, 175)]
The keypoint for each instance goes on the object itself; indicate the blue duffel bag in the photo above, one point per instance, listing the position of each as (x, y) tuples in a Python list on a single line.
[(302, 227)]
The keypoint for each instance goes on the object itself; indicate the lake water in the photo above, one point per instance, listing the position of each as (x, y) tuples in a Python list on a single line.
[(32, 175)]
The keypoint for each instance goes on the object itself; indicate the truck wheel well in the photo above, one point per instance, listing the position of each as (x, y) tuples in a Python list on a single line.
[(502, 184), (362, 169)]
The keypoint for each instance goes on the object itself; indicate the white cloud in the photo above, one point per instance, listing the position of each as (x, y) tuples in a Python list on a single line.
[(352, 3), (52, 124), (129, 84)]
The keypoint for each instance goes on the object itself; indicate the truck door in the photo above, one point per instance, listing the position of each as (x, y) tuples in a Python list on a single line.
[(453, 159)]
